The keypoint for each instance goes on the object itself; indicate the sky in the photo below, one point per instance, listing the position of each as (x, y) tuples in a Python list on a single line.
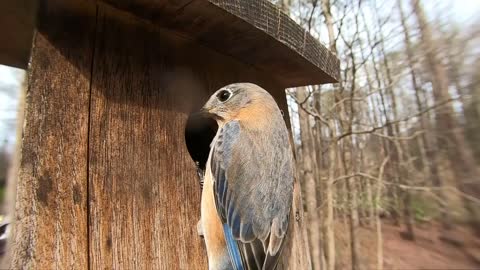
[(463, 12), (10, 83)]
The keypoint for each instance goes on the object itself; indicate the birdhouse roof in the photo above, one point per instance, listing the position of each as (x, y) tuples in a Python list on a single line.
[(255, 32)]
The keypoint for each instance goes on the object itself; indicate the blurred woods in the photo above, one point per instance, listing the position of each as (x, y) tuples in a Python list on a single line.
[(397, 140), (9, 107)]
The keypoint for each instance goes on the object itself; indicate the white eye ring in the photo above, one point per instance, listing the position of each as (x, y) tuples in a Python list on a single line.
[(223, 95)]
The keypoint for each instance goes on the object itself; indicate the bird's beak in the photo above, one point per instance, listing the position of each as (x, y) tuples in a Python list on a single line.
[(204, 111)]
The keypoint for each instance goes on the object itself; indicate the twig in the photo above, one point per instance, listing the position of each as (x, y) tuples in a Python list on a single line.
[(309, 112), (397, 121), (409, 187)]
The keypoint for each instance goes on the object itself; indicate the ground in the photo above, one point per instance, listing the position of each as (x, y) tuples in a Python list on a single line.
[(456, 249)]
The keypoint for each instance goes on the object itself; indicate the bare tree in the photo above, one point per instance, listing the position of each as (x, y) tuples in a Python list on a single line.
[(459, 154), (425, 144), (378, 222), (329, 220), (309, 162)]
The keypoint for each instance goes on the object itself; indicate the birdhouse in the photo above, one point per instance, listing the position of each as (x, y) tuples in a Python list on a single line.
[(107, 175)]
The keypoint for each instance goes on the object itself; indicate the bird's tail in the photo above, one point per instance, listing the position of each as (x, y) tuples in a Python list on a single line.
[(233, 251)]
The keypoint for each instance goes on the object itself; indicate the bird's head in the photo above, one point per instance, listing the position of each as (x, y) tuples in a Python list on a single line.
[(241, 101)]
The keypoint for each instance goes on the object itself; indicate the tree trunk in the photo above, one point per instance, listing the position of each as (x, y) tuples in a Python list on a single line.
[(393, 191), (368, 184), (318, 140), (370, 204), (352, 204), (406, 196), (425, 143), (329, 219), (396, 147), (378, 221), (309, 161), (472, 112), (387, 145), (460, 156)]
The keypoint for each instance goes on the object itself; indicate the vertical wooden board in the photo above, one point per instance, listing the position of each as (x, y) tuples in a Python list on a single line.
[(51, 207), (144, 196), (144, 193)]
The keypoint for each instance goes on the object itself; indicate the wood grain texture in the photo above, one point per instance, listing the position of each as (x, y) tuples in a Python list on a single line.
[(144, 197), (144, 194), (255, 32), (51, 207), (106, 181)]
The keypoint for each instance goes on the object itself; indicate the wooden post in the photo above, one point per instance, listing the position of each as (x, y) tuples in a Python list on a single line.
[(106, 180), (51, 214)]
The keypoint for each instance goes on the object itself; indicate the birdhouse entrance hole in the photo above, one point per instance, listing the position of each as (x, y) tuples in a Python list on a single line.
[(199, 133)]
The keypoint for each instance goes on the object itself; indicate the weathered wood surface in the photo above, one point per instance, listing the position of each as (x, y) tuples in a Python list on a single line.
[(51, 213), (106, 180), (254, 31), (144, 195)]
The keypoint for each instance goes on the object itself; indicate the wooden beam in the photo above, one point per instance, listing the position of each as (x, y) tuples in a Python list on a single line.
[(106, 180), (144, 197), (51, 229), (144, 194), (255, 32)]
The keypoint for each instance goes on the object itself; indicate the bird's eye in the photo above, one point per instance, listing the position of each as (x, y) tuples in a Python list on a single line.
[(223, 95)]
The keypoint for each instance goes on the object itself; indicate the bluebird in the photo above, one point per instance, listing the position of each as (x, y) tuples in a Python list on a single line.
[(248, 184)]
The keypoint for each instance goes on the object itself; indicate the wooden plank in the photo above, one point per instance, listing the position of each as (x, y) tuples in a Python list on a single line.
[(255, 32), (144, 197), (144, 192), (315, 59), (51, 217)]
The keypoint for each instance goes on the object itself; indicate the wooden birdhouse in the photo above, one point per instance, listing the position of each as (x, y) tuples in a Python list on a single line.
[(106, 179)]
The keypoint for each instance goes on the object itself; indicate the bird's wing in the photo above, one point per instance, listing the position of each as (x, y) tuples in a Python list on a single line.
[(253, 187)]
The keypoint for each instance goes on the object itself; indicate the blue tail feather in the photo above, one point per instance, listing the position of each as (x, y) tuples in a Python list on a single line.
[(232, 247)]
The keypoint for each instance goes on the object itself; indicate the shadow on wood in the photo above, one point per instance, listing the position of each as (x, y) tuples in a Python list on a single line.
[(107, 173)]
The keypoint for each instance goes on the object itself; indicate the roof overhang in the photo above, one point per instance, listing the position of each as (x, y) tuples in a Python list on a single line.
[(254, 32)]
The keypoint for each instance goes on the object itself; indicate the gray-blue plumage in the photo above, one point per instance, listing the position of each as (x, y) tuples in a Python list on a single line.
[(253, 184)]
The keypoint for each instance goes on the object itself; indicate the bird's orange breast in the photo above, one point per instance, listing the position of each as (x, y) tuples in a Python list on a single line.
[(212, 226)]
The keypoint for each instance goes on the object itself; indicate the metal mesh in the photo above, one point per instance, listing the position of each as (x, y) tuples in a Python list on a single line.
[(269, 18)]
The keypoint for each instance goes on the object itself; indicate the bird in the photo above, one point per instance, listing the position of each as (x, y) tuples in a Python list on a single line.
[(248, 185)]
